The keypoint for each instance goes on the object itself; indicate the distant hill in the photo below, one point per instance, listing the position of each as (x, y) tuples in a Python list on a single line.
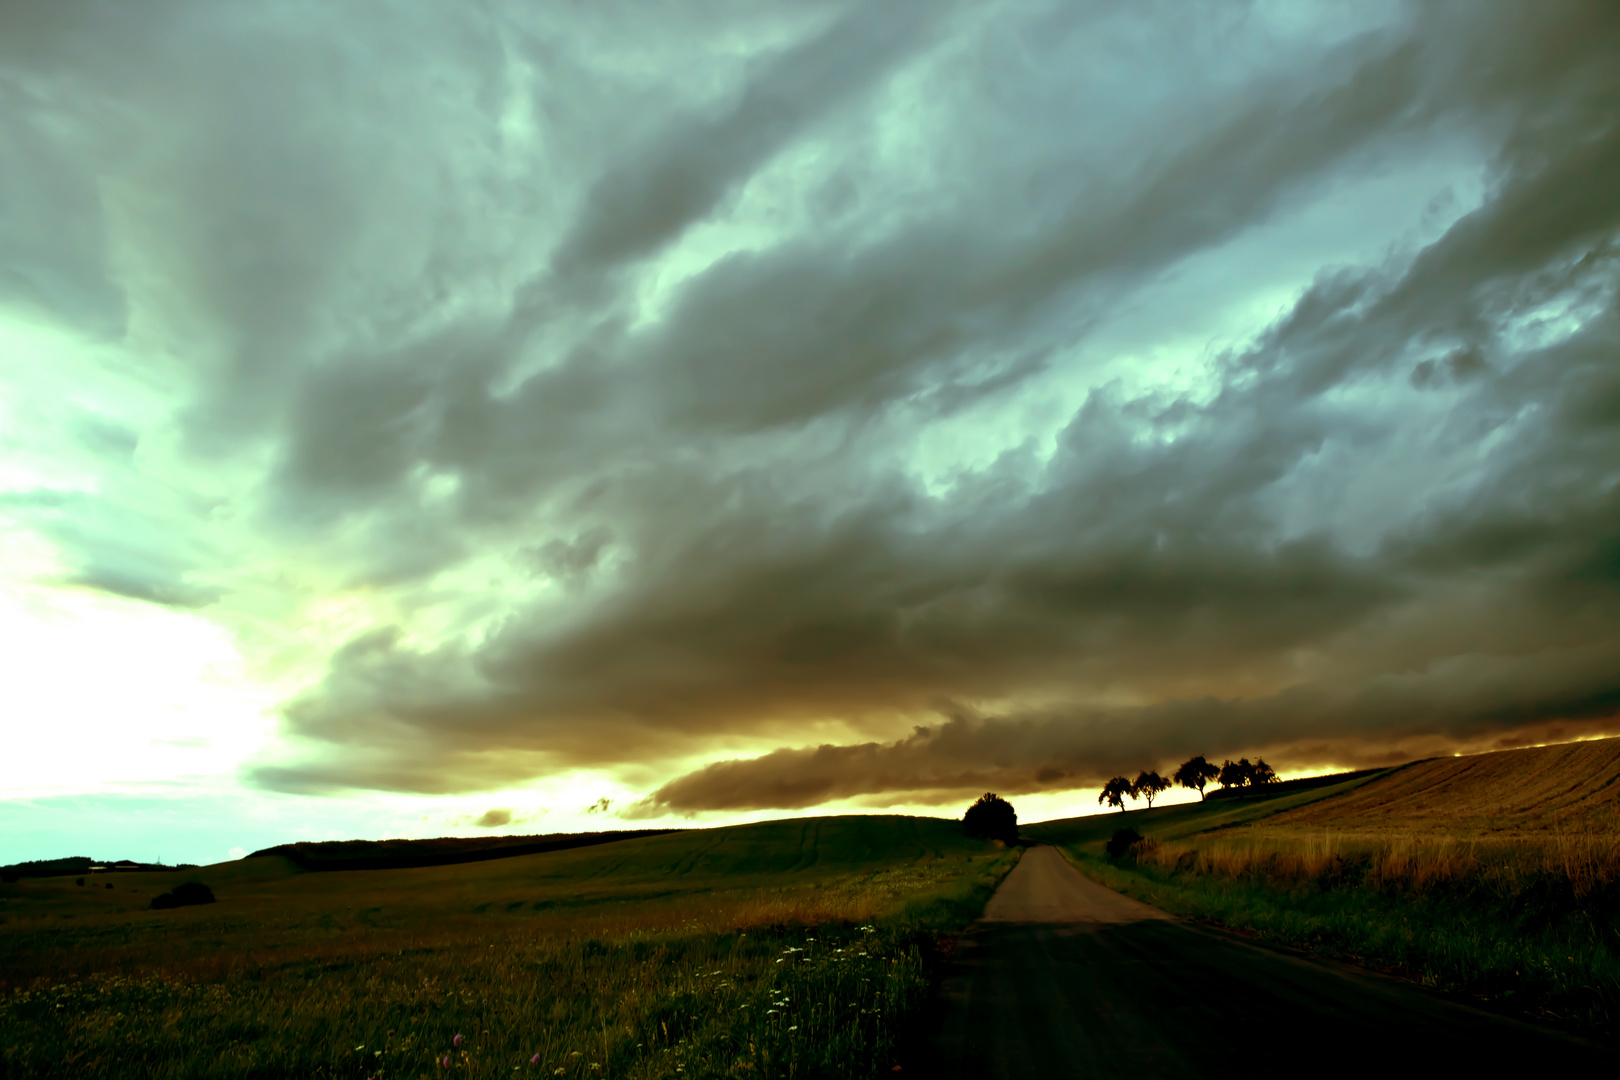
[(440, 851), (77, 864), (1542, 789)]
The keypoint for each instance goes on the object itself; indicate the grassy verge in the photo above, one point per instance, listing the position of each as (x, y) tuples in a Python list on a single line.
[(1531, 927), (804, 974)]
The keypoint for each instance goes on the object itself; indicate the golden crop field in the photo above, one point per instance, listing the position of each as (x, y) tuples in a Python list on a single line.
[(1573, 788), (784, 949)]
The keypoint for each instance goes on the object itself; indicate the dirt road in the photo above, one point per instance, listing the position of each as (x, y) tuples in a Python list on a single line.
[(1065, 978)]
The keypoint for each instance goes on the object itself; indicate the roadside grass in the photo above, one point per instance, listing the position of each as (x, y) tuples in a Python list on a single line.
[(787, 949), (1495, 876), (1532, 926)]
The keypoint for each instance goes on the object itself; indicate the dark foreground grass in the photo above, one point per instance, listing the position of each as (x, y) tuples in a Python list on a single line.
[(799, 952), (1505, 927)]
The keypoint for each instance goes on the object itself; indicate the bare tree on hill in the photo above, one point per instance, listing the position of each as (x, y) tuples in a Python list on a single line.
[(1242, 773), (1115, 791), (1235, 773), (1195, 773), (1148, 785)]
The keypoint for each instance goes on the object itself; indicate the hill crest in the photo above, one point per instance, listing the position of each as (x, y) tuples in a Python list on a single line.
[(326, 855)]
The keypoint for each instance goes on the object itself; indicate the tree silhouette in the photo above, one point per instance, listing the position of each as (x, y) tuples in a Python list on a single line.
[(1114, 792), (1243, 774), (1148, 785), (993, 818), (1195, 773)]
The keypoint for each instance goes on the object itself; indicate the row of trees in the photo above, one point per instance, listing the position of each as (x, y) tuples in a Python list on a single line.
[(1194, 774)]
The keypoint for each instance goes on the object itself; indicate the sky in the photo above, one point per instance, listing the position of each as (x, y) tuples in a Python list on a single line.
[(438, 419)]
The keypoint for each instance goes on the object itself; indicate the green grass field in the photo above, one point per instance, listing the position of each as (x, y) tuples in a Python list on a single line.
[(1407, 871), (793, 948)]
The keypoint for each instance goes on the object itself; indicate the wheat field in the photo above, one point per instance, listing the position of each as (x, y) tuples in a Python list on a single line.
[(1541, 792)]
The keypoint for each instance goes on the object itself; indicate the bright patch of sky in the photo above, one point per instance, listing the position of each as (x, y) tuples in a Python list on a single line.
[(105, 693)]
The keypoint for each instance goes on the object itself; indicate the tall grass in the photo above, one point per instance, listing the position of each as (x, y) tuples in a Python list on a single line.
[(807, 981), (1530, 924), (1577, 865)]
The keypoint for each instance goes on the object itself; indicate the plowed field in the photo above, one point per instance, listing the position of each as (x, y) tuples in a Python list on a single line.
[(1574, 787)]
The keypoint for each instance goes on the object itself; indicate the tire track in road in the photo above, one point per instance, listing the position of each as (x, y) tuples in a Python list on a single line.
[(1064, 977)]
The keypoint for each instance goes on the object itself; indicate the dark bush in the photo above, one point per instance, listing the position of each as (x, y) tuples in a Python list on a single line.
[(192, 892), (993, 818), (1122, 842)]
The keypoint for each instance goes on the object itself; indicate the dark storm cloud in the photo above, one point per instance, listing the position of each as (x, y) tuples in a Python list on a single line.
[(938, 313), (644, 202), (1389, 720), (653, 391), (52, 233), (1147, 557)]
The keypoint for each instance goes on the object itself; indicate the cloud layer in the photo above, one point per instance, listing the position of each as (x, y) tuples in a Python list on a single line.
[(877, 402)]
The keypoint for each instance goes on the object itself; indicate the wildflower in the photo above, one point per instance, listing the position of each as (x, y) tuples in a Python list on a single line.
[(456, 1041), (795, 1027), (444, 1063)]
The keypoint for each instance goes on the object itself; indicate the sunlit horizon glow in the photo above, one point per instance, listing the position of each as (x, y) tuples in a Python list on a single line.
[(420, 417)]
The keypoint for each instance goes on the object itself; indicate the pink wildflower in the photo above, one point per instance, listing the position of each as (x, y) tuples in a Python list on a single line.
[(456, 1041)]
